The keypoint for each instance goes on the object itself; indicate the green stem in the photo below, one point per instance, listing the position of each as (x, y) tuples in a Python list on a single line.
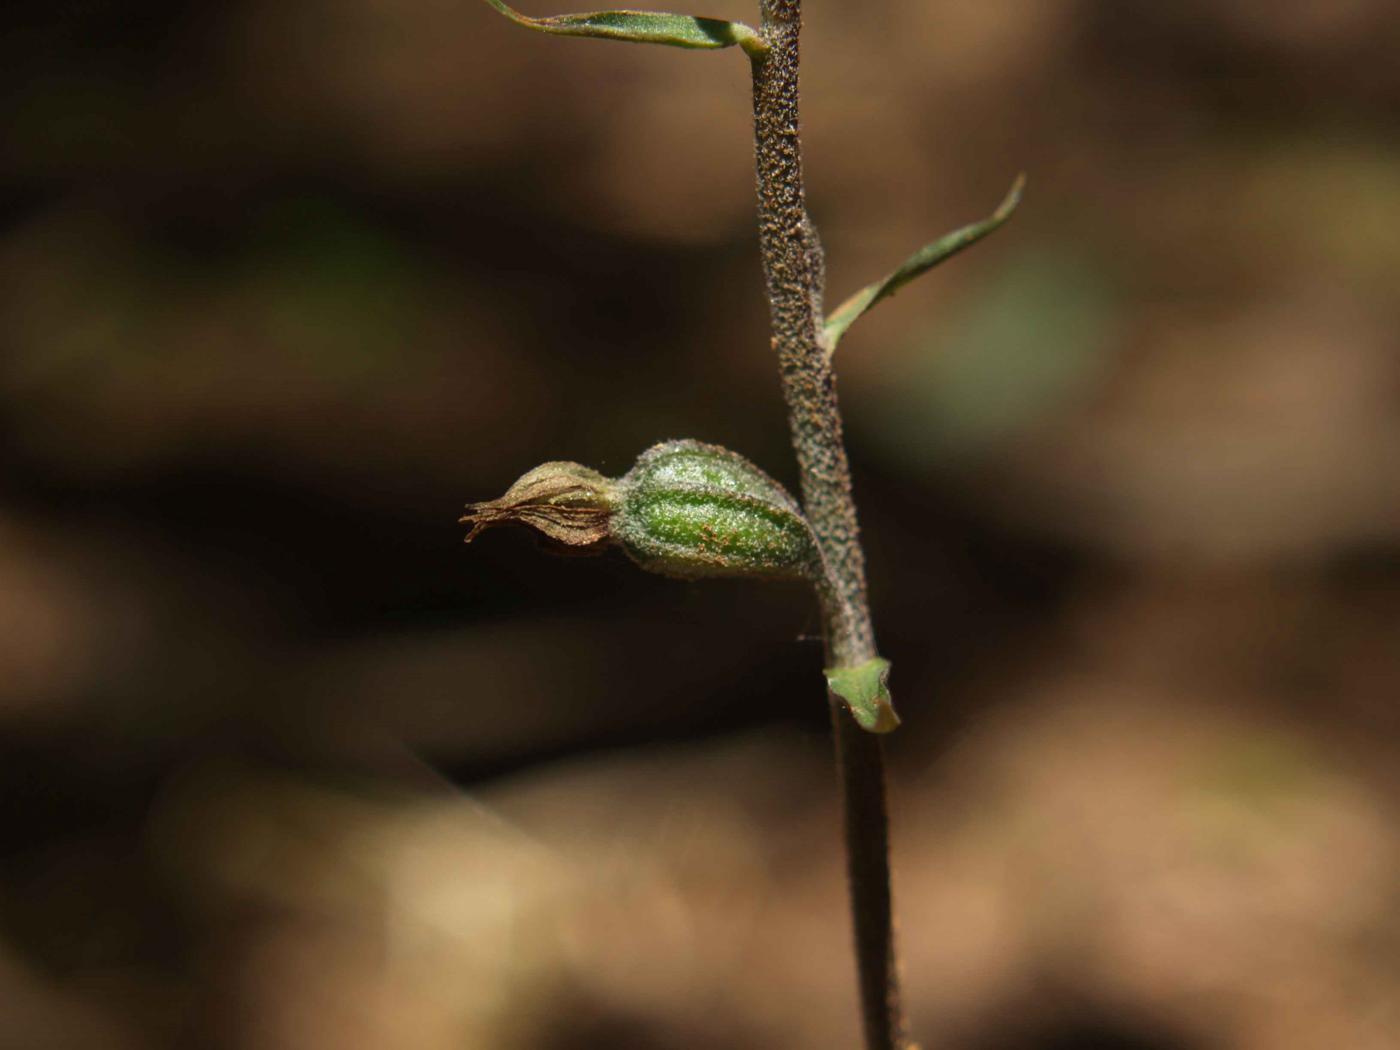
[(794, 272)]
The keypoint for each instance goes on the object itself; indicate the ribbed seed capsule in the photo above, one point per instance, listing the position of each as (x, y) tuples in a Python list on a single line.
[(688, 509), (685, 509)]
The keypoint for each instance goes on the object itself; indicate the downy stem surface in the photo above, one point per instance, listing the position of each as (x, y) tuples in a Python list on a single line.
[(794, 271)]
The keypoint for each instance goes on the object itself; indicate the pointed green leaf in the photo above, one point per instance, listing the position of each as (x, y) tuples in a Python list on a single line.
[(925, 259), (644, 27), (863, 689)]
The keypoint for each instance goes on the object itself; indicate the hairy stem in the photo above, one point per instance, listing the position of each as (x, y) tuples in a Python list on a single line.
[(794, 271)]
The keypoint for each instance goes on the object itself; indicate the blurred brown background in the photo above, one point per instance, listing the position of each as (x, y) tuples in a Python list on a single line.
[(284, 765)]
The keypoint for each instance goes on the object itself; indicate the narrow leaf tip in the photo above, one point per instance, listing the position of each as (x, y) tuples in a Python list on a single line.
[(923, 260), (644, 27)]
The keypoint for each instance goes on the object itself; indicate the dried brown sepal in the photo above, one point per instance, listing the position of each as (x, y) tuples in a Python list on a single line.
[(567, 502)]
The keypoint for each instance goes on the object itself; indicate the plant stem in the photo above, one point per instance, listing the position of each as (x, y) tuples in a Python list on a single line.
[(861, 767), (794, 271)]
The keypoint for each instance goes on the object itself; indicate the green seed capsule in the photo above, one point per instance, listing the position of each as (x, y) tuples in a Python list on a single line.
[(685, 509), (688, 509)]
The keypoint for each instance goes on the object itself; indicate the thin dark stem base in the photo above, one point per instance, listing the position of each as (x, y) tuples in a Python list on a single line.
[(861, 765)]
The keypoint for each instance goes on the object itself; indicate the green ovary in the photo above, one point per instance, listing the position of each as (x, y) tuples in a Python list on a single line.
[(685, 467), (706, 533)]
